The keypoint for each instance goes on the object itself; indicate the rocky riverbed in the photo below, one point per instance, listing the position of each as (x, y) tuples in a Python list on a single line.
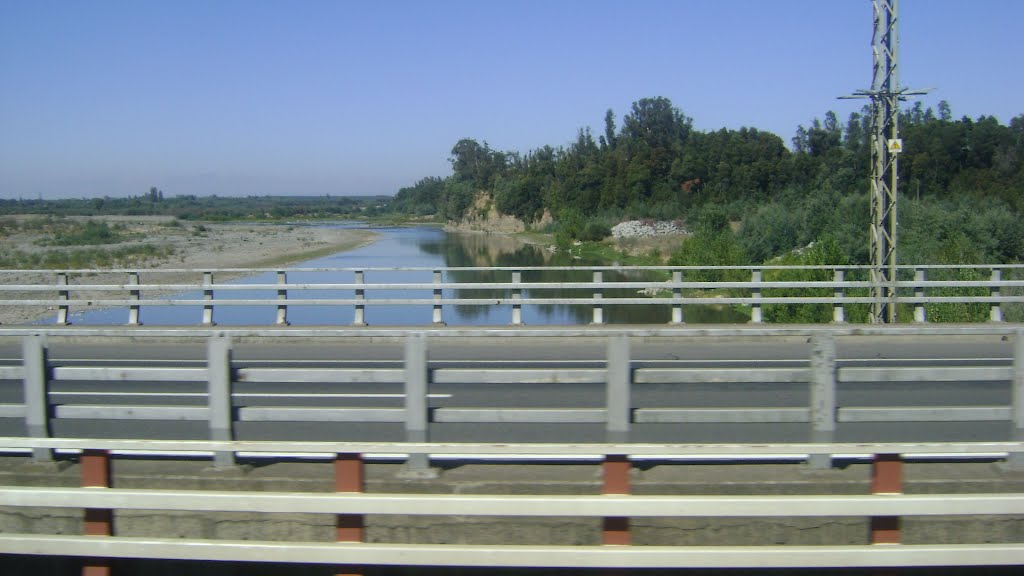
[(184, 245)]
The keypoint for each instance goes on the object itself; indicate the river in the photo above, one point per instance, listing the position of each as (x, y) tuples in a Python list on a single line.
[(423, 247)]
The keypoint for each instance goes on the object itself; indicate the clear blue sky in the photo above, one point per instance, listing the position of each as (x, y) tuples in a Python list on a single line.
[(240, 97)]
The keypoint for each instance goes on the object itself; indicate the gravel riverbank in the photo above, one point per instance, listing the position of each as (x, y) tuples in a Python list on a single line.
[(197, 246)]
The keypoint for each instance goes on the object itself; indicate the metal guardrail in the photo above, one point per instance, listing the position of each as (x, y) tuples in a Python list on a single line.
[(616, 379), (615, 507), (72, 290)]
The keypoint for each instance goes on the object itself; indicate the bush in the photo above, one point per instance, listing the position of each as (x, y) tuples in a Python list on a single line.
[(596, 231)]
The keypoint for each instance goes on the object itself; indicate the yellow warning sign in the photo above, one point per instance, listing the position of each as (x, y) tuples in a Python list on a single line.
[(895, 146)]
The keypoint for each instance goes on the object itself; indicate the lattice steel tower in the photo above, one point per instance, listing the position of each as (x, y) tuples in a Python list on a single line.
[(885, 95)]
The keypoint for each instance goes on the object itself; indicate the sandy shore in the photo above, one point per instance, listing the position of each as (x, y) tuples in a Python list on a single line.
[(193, 246)]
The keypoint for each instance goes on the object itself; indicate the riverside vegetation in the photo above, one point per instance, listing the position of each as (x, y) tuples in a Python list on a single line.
[(749, 199)]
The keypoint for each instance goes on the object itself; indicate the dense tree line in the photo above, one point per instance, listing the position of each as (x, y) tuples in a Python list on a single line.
[(962, 184), (213, 208)]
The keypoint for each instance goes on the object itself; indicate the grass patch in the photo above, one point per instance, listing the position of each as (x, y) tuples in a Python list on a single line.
[(80, 258)]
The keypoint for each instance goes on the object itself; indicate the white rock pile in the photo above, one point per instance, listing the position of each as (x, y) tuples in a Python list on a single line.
[(635, 228)]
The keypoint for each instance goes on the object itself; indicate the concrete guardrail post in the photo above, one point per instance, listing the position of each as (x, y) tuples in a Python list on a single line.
[(886, 478), (617, 393), (677, 294), (995, 311), (95, 472), (517, 294), (838, 312), (1015, 461), (208, 297), (359, 318), (218, 365), (438, 319), (282, 295), (823, 396), (37, 406), (135, 295), (598, 294), (63, 294), (417, 410), (755, 309), (920, 314)]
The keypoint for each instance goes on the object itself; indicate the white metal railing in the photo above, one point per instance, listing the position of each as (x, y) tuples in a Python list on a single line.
[(615, 506), (72, 290)]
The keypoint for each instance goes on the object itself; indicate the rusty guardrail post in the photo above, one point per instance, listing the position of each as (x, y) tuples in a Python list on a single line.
[(95, 471), (886, 478), (350, 476), (615, 470)]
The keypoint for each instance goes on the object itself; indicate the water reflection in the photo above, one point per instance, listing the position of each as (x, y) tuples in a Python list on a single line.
[(427, 248)]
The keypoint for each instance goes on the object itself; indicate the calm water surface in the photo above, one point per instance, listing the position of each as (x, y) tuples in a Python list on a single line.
[(421, 248)]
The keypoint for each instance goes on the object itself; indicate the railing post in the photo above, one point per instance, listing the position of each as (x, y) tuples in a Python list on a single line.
[(838, 312), (95, 471), (823, 396), (517, 294), (37, 406), (615, 529), (920, 313), (598, 294), (218, 365), (755, 309), (995, 311), (617, 396), (677, 294), (1015, 460), (282, 295), (349, 476), (135, 295), (360, 312), (416, 407), (886, 478), (63, 294), (438, 320), (208, 296)]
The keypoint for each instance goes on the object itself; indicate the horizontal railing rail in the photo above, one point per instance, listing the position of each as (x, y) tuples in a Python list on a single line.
[(615, 507), (616, 377), (74, 290)]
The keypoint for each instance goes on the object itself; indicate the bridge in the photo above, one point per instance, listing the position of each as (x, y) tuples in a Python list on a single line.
[(818, 398)]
